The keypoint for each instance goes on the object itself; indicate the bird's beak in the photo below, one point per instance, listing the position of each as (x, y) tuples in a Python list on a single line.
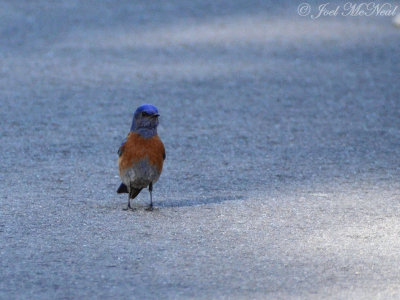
[(155, 116)]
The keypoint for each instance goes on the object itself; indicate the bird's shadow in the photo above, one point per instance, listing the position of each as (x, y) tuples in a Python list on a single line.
[(186, 202)]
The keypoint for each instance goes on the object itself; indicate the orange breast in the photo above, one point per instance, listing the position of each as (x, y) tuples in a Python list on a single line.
[(137, 147)]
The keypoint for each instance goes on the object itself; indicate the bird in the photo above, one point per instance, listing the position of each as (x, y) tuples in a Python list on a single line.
[(141, 155)]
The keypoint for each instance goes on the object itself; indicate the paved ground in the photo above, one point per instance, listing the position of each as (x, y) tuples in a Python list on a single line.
[(283, 151)]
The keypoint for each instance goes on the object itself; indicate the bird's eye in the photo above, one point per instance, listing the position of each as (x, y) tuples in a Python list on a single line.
[(145, 114)]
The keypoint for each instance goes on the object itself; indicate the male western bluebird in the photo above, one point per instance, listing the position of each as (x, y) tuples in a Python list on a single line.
[(141, 155)]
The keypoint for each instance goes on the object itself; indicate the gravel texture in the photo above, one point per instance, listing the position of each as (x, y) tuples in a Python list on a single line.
[(283, 151)]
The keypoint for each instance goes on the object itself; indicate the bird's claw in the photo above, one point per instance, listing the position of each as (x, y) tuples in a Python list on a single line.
[(129, 208)]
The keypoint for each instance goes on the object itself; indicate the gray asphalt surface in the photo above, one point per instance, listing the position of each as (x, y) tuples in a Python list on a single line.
[(283, 151)]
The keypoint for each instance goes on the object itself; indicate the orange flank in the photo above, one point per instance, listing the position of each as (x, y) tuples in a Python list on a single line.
[(137, 147)]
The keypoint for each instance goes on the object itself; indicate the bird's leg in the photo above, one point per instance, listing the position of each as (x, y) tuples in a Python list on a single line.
[(129, 200), (151, 196), (129, 203)]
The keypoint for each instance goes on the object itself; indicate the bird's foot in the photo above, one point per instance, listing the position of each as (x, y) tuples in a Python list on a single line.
[(129, 208), (150, 208)]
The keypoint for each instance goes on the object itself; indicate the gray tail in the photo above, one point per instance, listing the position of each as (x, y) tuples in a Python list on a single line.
[(122, 189)]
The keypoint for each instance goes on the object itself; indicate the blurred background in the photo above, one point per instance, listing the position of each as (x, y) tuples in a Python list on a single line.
[(283, 150)]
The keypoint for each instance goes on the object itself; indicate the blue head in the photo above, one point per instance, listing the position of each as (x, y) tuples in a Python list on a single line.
[(145, 120)]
